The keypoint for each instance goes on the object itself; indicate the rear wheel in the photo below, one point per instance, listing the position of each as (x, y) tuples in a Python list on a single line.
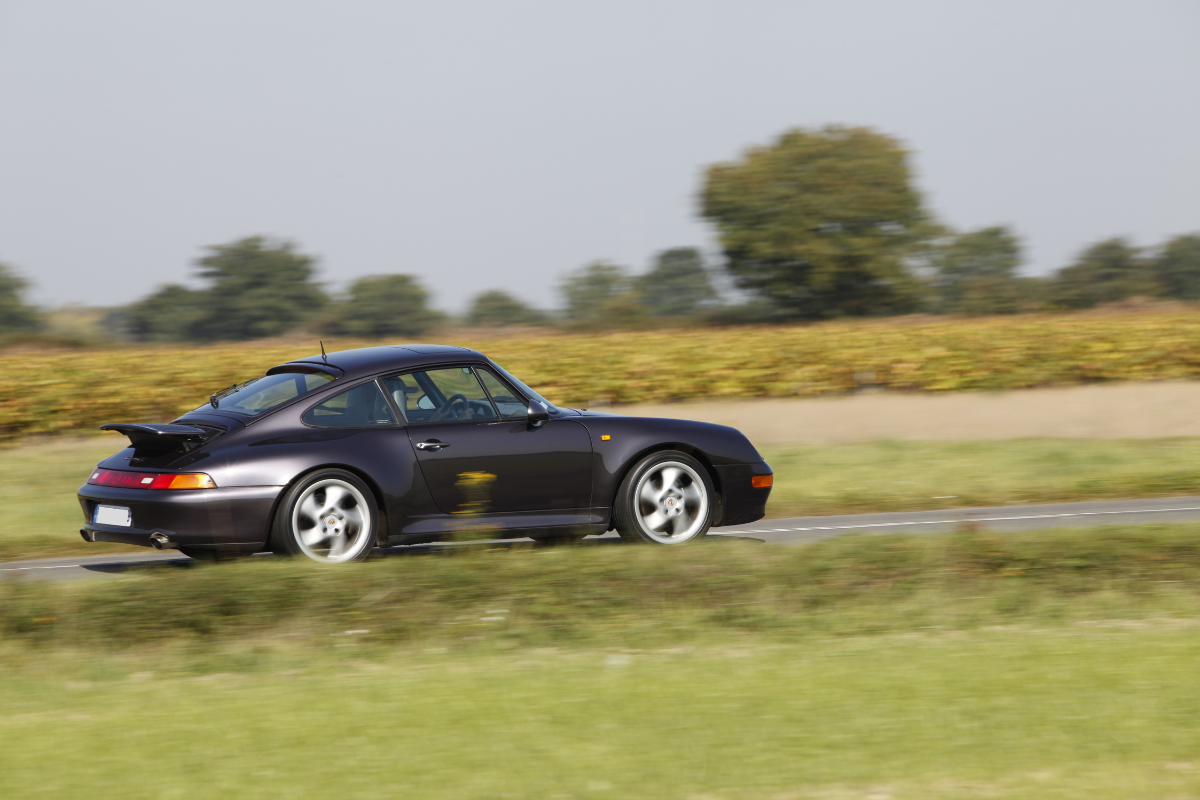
[(665, 499), (327, 516)]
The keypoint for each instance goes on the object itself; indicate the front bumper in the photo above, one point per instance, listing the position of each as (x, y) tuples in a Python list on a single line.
[(740, 501), (239, 516)]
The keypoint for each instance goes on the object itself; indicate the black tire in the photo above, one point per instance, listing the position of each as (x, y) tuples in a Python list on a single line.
[(348, 520), (685, 507)]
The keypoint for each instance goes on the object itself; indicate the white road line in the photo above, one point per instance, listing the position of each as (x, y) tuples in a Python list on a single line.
[(958, 521)]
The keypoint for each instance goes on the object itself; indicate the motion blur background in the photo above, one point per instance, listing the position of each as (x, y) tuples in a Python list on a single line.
[(927, 255), (487, 146)]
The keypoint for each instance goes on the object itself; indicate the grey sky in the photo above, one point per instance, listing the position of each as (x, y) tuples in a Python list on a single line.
[(501, 144)]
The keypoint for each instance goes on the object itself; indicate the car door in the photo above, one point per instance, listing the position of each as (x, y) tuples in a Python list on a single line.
[(481, 455)]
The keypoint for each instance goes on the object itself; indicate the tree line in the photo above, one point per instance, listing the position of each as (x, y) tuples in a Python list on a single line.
[(819, 224)]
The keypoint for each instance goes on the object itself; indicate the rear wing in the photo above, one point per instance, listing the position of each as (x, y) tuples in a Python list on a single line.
[(162, 437)]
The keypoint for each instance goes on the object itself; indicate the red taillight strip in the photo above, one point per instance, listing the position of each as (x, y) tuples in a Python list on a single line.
[(151, 480)]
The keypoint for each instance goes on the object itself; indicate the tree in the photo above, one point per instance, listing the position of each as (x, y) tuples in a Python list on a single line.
[(385, 305), (496, 309), (168, 315), (821, 222), (1106, 272), (1177, 267), (16, 316), (976, 273), (259, 288), (677, 284), (600, 292)]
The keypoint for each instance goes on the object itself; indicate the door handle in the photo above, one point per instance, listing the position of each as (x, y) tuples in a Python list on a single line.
[(432, 445)]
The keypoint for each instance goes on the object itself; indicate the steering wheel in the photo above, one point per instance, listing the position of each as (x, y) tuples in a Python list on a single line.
[(441, 413)]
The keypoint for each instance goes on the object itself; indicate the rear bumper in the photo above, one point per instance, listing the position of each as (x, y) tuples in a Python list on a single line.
[(740, 501), (239, 516)]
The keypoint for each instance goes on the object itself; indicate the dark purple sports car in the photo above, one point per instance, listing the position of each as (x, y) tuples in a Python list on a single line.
[(331, 456)]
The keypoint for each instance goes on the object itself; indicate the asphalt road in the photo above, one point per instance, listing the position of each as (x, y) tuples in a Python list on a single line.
[(796, 530)]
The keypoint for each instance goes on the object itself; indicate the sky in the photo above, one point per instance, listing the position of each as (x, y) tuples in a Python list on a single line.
[(491, 144)]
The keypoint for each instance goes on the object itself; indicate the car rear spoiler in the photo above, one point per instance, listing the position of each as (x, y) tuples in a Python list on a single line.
[(163, 438)]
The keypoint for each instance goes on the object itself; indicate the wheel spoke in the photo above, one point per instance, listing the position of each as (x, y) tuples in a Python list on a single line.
[(649, 495), (309, 507), (656, 521), (335, 496), (691, 495), (313, 537), (684, 520), (353, 519), (670, 476)]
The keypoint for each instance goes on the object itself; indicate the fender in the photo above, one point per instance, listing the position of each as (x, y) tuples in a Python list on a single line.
[(629, 438)]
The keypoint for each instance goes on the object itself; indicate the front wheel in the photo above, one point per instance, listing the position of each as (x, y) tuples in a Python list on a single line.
[(665, 499), (327, 516)]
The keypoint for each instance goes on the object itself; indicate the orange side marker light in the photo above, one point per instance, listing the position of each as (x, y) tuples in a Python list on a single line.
[(605, 437), (762, 481)]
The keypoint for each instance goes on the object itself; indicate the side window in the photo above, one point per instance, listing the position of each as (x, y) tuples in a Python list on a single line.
[(359, 406), (510, 405), (440, 395)]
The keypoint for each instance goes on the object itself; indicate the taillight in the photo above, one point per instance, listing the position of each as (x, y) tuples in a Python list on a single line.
[(762, 481), (151, 480)]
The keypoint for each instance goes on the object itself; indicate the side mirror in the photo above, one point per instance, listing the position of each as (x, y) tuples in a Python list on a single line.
[(537, 414)]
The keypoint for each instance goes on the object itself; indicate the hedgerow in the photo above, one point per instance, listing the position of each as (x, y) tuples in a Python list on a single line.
[(56, 392)]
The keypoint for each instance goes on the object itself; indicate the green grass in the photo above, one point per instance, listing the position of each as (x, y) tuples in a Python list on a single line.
[(902, 476), (1056, 664), (587, 596), (38, 481), (1011, 714)]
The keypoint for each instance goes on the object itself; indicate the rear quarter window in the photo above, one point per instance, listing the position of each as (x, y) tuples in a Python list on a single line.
[(358, 406)]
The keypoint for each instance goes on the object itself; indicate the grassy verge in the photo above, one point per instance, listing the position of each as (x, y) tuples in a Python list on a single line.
[(1056, 665), (647, 597), (909, 476), (38, 481)]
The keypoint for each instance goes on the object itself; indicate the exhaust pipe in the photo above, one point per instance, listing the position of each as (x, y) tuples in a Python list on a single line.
[(160, 542), (87, 537)]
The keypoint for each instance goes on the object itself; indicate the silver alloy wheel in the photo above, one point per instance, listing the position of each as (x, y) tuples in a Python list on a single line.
[(332, 521), (671, 502)]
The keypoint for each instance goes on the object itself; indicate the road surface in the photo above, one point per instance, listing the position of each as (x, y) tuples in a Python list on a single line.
[(796, 530)]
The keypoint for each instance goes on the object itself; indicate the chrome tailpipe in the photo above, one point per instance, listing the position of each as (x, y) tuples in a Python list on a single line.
[(159, 541), (87, 537)]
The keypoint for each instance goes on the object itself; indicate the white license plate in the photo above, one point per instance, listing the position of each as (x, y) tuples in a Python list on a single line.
[(112, 515)]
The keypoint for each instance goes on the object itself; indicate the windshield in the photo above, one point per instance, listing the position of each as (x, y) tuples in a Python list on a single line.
[(259, 396), (530, 393)]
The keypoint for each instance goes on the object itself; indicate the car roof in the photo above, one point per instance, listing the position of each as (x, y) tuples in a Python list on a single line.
[(371, 360)]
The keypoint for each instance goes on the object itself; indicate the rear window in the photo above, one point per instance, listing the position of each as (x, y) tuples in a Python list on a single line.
[(257, 397)]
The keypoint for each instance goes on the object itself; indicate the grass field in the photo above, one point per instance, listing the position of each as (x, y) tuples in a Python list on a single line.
[(38, 481), (1069, 713), (1057, 664)]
